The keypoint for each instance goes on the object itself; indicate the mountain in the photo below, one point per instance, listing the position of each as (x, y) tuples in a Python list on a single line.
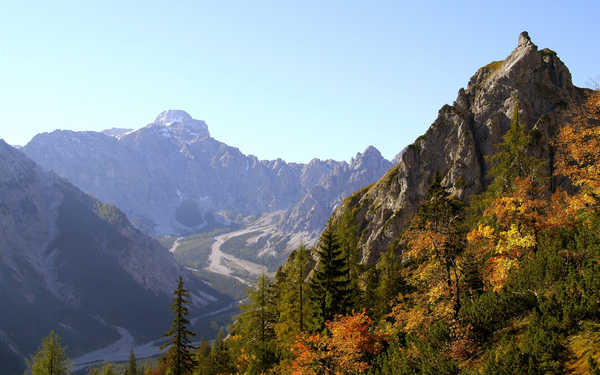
[(463, 135), (335, 181), (172, 177), (73, 264), (507, 285)]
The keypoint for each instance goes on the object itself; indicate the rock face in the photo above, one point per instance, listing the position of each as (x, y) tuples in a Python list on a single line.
[(81, 263), (339, 180), (458, 141), (171, 177)]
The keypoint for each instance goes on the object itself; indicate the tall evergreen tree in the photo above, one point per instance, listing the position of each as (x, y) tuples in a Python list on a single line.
[(257, 324), (203, 359), (180, 356), (108, 370), (437, 236), (132, 364), (390, 281), (293, 302), (329, 284), (50, 359), (346, 233), (220, 356), (513, 158)]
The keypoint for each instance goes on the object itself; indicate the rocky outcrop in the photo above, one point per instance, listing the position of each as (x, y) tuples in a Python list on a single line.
[(80, 262), (458, 141)]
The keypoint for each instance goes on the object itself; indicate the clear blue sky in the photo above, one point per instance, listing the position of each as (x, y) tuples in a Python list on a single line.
[(289, 79)]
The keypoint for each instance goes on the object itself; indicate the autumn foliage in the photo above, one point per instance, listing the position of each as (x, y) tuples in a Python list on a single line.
[(506, 283), (345, 349), (578, 154)]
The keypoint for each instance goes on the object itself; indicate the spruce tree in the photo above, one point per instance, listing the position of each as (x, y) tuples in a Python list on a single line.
[(390, 281), (220, 356), (132, 365), (293, 302), (346, 232), (108, 370), (440, 218), (513, 158), (256, 324), (329, 284), (50, 359), (203, 359), (180, 357)]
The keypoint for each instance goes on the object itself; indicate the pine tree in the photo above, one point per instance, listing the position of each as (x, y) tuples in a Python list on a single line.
[(180, 357), (436, 238), (293, 302), (256, 324), (295, 297), (390, 281), (108, 370), (221, 361), (203, 359), (513, 158), (132, 365), (346, 233), (329, 284), (471, 279), (50, 359)]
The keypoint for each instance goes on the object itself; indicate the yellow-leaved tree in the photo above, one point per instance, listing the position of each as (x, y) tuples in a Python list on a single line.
[(434, 241)]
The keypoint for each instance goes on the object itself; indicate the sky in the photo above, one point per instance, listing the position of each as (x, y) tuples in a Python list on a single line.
[(289, 79)]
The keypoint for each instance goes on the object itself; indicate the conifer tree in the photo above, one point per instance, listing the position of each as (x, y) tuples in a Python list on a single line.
[(180, 358), (203, 359), (346, 233), (390, 281), (329, 284), (513, 159), (257, 321), (108, 370), (132, 365), (293, 302), (513, 211), (220, 356), (436, 238), (50, 359)]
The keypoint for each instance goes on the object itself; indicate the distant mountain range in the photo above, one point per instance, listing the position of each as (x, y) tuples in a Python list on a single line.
[(172, 177)]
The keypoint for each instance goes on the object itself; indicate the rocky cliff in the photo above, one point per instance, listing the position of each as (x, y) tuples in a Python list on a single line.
[(458, 141), (81, 263)]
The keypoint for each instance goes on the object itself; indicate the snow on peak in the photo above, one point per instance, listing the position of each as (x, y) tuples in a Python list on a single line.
[(172, 116), (180, 124)]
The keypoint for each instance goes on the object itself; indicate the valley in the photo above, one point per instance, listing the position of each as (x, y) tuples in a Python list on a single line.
[(475, 250)]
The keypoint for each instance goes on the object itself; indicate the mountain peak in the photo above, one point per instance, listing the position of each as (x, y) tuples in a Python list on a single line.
[(524, 39), (172, 116), (371, 149), (179, 124), (369, 153)]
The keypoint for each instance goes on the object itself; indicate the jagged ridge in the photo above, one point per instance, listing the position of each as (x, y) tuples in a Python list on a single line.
[(458, 141)]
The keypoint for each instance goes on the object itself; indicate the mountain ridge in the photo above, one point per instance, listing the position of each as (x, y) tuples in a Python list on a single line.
[(172, 177), (463, 135)]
